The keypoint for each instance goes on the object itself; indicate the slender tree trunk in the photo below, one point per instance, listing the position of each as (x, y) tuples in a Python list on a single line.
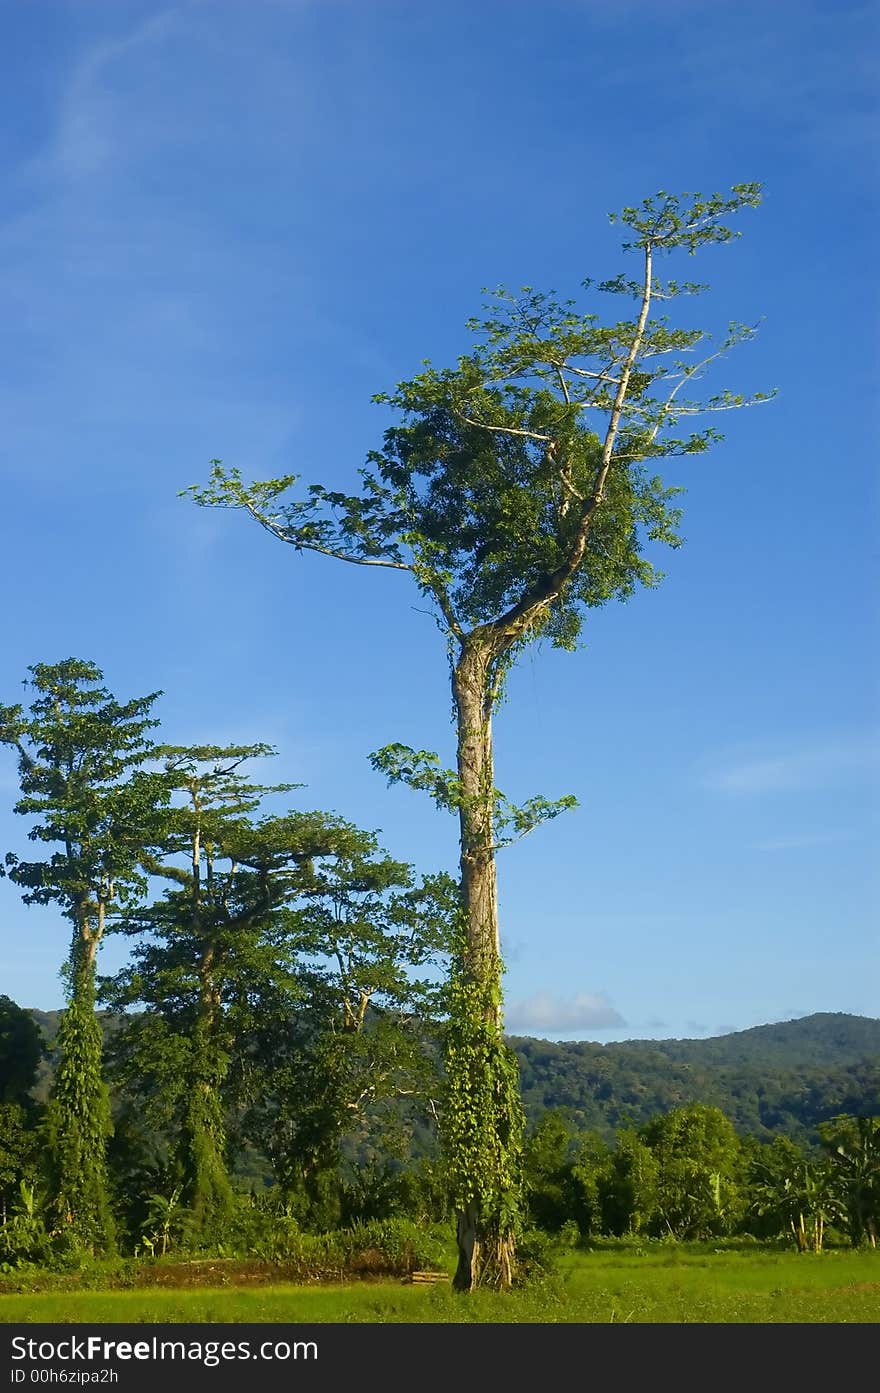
[(476, 817), (484, 1118), (207, 1189)]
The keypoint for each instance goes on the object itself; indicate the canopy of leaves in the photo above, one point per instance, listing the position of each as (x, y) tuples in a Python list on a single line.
[(21, 1050), (488, 487), (82, 757)]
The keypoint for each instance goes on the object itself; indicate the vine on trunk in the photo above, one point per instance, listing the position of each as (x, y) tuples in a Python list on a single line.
[(79, 1120), (483, 1127)]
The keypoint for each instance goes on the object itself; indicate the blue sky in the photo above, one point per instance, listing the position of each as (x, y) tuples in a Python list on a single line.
[(225, 226)]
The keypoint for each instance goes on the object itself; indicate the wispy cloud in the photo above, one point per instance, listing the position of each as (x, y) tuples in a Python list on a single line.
[(803, 841), (819, 764), (549, 1011), (89, 132)]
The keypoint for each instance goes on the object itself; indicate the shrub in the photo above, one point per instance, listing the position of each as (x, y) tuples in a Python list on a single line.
[(24, 1236)]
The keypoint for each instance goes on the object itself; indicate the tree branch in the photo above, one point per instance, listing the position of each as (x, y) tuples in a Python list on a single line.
[(504, 631), (291, 538), (504, 430)]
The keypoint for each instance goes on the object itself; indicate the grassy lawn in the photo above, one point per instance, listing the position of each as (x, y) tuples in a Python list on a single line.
[(659, 1285)]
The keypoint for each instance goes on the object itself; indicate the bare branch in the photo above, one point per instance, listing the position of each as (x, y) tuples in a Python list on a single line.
[(685, 377), (587, 372), (284, 535), (504, 430), (562, 382)]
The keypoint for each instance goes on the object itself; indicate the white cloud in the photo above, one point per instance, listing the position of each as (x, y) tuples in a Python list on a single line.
[(548, 1011)]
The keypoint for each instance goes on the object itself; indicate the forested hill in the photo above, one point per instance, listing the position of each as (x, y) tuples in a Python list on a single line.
[(773, 1078)]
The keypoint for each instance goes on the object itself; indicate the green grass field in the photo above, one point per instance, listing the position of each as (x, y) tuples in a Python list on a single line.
[(663, 1285)]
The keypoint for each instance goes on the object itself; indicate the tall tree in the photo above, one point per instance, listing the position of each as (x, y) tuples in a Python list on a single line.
[(82, 757), (517, 492)]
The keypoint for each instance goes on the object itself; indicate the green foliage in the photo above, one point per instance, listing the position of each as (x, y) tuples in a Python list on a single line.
[(287, 973), (518, 490), (268, 1229), (779, 1079), (24, 1237), (483, 489), (20, 1150), (82, 757), (392, 1245), (21, 1052), (853, 1146), (421, 770), (366, 943), (627, 1190), (789, 1193), (561, 1171), (79, 1125), (166, 1222), (482, 1111), (698, 1161), (666, 220), (207, 952)]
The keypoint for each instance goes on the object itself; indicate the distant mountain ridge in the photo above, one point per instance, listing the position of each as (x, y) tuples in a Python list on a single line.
[(826, 1037), (784, 1077), (778, 1078)]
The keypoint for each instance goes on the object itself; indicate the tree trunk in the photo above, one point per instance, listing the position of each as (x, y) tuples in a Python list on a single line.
[(485, 1121), (476, 818), (207, 1188), (79, 1107)]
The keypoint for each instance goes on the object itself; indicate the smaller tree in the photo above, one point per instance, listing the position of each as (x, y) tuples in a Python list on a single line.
[(698, 1157), (561, 1170), (21, 1052), (853, 1146), (352, 1046), (19, 1153), (590, 1167), (790, 1192), (628, 1189), (205, 948)]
